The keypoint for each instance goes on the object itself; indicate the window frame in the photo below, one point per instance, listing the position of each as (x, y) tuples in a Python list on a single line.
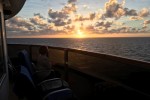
[(3, 75)]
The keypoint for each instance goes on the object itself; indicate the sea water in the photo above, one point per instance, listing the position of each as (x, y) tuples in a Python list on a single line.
[(132, 48)]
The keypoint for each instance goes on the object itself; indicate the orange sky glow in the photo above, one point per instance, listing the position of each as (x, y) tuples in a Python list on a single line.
[(114, 35)]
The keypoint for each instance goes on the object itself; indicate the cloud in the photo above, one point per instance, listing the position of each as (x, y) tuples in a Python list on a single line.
[(86, 7), (58, 18), (93, 30), (35, 25), (61, 17), (18, 23), (144, 27), (57, 14), (123, 29), (69, 28), (135, 18), (91, 16), (114, 9), (69, 8), (60, 22), (72, 1), (117, 10), (118, 23), (144, 12), (38, 20), (147, 22), (80, 18), (15, 29), (131, 12), (39, 15), (104, 24), (90, 28)]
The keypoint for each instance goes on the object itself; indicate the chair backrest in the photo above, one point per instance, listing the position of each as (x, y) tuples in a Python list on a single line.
[(24, 85), (24, 71), (24, 58)]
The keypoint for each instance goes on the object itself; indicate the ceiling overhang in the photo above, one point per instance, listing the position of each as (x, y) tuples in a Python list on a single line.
[(12, 7)]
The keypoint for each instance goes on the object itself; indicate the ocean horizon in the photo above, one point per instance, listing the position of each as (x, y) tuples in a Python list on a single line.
[(137, 48)]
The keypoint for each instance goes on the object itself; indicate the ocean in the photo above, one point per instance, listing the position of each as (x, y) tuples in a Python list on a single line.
[(132, 48)]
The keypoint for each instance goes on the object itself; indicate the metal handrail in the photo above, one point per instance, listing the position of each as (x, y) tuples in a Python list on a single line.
[(120, 60)]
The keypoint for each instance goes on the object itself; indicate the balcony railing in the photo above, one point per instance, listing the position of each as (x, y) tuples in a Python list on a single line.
[(121, 71)]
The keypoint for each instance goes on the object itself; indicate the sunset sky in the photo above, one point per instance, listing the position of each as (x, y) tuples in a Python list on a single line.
[(81, 18)]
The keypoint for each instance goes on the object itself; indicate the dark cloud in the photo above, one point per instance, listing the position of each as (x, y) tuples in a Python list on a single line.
[(60, 22), (114, 9), (61, 18), (34, 25), (131, 12), (69, 28), (14, 29), (57, 14), (39, 21), (72, 1), (117, 10), (39, 15), (90, 28), (92, 16), (104, 24), (19, 23), (63, 13)]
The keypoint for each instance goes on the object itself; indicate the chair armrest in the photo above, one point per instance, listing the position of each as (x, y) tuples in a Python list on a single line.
[(52, 84), (42, 71)]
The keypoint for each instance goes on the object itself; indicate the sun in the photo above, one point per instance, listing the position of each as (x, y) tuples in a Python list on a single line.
[(79, 34)]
